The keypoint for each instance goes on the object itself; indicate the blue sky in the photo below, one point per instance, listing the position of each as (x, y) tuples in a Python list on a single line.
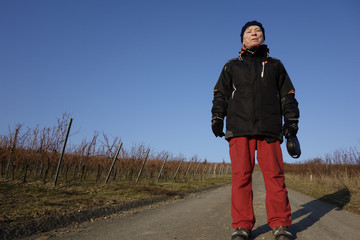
[(144, 71)]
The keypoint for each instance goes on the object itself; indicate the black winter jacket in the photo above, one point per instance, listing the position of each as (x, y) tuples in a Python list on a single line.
[(253, 92)]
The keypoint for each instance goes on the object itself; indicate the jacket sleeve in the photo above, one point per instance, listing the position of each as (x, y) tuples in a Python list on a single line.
[(222, 91), (289, 103)]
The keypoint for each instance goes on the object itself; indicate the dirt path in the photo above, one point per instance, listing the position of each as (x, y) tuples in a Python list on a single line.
[(206, 215)]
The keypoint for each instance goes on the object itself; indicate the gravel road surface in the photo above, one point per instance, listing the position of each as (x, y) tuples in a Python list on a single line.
[(206, 215)]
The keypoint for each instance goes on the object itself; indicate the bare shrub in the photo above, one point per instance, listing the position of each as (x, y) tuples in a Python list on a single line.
[(35, 154)]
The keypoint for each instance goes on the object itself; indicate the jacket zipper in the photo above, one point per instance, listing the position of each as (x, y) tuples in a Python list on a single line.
[(259, 97), (263, 68)]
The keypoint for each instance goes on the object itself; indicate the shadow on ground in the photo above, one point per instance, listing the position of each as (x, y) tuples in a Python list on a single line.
[(313, 212)]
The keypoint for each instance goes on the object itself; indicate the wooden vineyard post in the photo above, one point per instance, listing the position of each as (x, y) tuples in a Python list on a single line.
[(209, 171), (203, 172), (221, 170), (162, 168), (187, 171), (113, 163), (11, 153), (214, 174), (197, 168), (62, 152), (177, 170), (142, 166)]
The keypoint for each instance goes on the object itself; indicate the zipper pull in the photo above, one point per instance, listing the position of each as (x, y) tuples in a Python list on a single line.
[(263, 68)]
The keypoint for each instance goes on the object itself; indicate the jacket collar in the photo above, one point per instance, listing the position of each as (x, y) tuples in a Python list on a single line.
[(262, 50)]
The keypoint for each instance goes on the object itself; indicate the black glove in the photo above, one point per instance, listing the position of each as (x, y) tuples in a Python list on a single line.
[(217, 125), (290, 128)]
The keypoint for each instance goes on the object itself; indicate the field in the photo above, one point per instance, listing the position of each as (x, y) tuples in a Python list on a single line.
[(335, 179), (38, 155), (39, 180)]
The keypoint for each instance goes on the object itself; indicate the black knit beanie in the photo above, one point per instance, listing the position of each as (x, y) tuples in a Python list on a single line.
[(252, 23)]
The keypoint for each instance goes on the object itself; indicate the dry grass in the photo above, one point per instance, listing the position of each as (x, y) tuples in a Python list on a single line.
[(26, 188), (29, 162), (341, 190), (334, 179), (26, 200)]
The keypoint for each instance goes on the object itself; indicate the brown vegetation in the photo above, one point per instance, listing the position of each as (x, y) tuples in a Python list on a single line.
[(29, 161), (338, 173), (88, 176), (33, 156)]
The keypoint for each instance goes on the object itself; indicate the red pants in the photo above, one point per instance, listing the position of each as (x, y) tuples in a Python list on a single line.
[(269, 157)]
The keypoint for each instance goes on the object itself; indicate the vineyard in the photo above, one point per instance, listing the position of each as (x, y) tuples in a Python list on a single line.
[(46, 183), (41, 176), (35, 155), (334, 178)]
